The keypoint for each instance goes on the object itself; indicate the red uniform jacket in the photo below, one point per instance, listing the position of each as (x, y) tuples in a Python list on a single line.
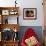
[(29, 33)]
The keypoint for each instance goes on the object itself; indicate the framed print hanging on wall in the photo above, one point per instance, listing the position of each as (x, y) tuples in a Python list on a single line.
[(29, 13)]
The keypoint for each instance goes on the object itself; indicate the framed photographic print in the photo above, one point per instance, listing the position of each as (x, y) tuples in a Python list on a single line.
[(5, 12), (13, 12), (30, 13)]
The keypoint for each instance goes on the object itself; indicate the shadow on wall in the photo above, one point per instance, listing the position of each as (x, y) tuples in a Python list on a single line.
[(37, 29)]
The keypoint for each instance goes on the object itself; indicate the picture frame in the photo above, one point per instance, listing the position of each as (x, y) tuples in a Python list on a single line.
[(5, 12), (13, 12), (30, 13)]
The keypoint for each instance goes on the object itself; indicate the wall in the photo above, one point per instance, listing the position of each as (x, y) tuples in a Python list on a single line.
[(27, 4), (31, 4)]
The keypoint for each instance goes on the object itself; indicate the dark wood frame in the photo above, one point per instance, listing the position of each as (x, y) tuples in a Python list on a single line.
[(30, 18)]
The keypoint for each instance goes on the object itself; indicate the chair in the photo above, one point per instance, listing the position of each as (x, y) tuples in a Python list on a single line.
[(28, 35)]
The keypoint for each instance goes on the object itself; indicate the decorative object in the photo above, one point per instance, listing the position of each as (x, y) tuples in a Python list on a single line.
[(15, 3), (5, 12), (13, 12), (30, 13)]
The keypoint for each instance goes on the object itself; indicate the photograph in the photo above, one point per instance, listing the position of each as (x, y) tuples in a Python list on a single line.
[(5, 12), (30, 13)]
